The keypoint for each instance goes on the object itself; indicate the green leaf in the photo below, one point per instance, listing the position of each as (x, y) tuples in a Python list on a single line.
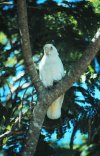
[(3, 38), (11, 61), (5, 140), (9, 127), (91, 70)]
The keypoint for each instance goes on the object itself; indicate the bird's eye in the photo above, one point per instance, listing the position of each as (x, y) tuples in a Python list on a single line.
[(51, 47)]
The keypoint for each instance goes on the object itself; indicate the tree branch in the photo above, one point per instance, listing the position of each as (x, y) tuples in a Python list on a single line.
[(26, 48), (46, 97)]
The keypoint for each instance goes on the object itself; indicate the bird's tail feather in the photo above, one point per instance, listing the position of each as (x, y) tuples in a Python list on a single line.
[(54, 110)]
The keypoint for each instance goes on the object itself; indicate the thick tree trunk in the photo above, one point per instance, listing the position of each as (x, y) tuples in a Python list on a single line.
[(45, 97)]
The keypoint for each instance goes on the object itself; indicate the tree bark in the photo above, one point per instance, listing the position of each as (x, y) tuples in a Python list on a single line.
[(46, 97), (25, 42)]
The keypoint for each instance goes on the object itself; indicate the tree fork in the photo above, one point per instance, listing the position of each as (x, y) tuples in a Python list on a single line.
[(45, 97)]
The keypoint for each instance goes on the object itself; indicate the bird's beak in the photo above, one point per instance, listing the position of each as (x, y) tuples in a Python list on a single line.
[(47, 51)]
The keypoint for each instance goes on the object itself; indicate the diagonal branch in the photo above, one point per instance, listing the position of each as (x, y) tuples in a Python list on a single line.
[(78, 68), (47, 97)]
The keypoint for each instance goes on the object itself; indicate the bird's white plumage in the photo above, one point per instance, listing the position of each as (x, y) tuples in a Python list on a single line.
[(51, 69)]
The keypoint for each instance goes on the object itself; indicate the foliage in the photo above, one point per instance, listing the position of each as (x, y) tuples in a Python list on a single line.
[(96, 5), (70, 28)]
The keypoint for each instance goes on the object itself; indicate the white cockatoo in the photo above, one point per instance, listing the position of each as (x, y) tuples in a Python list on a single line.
[(50, 70)]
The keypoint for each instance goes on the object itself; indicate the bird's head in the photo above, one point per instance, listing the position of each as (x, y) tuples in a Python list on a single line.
[(50, 49)]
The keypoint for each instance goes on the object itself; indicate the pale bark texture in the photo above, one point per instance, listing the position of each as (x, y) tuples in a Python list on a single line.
[(46, 97)]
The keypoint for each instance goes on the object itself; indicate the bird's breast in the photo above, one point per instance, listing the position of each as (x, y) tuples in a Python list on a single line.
[(51, 70)]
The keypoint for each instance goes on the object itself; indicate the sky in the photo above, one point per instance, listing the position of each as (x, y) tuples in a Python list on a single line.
[(40, 2), (59, 1)]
